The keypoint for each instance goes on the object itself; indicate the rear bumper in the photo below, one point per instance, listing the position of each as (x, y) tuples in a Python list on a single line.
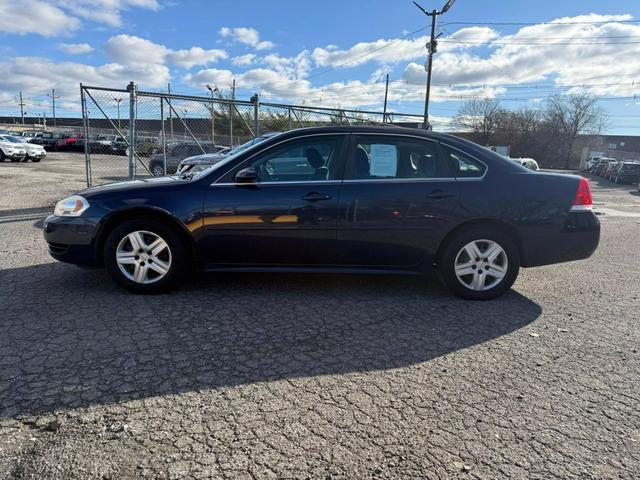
[(576, 240), (72, 240)]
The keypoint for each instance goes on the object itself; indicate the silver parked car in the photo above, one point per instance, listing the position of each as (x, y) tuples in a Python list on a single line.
[(197, 163)]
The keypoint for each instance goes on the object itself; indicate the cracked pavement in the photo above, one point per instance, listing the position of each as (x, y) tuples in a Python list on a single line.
[(320, 376)]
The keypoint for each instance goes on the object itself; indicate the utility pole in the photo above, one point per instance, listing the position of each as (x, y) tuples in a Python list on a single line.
[(170, 111), (432, 47), (21, 103), (231, 107), (118, 100), (213, 113), (53, 104), (386, 93)]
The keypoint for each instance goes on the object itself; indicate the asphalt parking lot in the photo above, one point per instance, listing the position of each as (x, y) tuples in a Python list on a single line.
[(314, 376)]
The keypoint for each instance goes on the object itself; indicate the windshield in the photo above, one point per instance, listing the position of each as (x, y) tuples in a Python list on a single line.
[(10, 139), (253, 141), (233, 154)]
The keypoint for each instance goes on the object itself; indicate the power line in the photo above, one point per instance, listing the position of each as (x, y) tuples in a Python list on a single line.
[(596, 37), (371, 52), (604, 22), (500, 42)]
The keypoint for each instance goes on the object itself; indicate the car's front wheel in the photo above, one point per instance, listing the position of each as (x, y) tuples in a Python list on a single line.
[(479, 263), (144, 256), (157, 170)]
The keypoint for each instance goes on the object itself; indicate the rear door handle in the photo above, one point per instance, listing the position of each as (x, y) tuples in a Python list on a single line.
[(440, 195), (315, 196)]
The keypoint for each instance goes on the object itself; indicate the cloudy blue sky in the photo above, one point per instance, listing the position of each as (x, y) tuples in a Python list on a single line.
[(325, 52)]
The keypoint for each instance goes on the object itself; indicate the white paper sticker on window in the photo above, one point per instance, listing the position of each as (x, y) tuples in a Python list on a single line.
[(384, 160)]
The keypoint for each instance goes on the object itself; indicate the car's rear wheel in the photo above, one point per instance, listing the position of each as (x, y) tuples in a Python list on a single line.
[(144, 256), (479, 263), (35, 159)]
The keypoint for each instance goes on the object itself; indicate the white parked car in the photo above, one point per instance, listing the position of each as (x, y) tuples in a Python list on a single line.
[(12, 151), (529, 163), (33, 152)]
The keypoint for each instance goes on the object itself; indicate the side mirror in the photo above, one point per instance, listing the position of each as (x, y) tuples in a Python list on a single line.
[(247, 175)]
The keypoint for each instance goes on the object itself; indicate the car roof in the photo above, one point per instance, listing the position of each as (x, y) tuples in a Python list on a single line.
[(370, 129)]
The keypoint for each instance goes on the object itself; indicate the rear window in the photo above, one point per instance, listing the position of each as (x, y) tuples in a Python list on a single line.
[(465, 166)]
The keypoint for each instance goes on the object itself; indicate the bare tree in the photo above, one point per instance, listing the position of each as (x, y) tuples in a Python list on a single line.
[(567, 116), (482, 117)]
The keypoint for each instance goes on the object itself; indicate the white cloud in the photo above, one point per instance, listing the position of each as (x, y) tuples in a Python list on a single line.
[(75, 48), (246, 36), (244, 60), (393, 51), (65, 77), (131, 50), (35, 16), (289, 67), (571, 54), (62, 17), (195, 56), (108, 12)]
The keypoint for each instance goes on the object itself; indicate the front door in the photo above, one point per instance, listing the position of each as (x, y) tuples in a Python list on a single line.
[(288, 216), (398, 197)]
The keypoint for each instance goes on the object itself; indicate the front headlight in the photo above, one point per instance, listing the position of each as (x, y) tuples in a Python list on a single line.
[(72, 206)]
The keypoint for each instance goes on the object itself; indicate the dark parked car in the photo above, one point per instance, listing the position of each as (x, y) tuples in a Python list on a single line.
[(56, 141), (108, 145), (178, 152), (350, 199), (626, 172), (197, 163)]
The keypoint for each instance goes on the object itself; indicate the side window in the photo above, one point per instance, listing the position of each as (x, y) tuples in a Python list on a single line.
[(309, 159), (463, 165), (387, 157)]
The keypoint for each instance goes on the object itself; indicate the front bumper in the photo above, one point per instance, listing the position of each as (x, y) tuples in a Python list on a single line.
[(38, 154), (72, 239), (577, 239)]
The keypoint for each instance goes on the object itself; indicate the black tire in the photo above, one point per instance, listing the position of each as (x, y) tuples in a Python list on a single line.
[(2, 157), (35, 160), (178, 252), (454, 245), (157, 169)]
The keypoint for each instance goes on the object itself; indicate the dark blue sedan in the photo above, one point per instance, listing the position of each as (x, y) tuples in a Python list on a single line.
[(336, 199)]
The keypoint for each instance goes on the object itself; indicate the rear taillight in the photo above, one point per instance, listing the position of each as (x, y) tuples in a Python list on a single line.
[(583, 199)]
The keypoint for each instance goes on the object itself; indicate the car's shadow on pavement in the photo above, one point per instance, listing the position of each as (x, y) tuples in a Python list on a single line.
[(69, 338)]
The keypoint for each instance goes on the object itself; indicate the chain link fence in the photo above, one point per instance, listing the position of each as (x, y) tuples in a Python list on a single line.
[(130, 134)]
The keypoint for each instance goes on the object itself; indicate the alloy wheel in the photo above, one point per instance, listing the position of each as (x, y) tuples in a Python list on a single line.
[(143, 257), (481, 265)]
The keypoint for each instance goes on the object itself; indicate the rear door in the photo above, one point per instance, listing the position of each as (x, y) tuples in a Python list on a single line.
[(398, 198)]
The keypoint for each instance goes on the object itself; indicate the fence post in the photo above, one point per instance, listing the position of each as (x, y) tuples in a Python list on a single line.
[(132, 129), (256, 115), (164, 138), (289, 118), (85, 132)]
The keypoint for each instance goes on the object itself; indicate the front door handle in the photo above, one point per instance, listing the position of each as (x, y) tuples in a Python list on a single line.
[(440, 195), (315, 196)]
